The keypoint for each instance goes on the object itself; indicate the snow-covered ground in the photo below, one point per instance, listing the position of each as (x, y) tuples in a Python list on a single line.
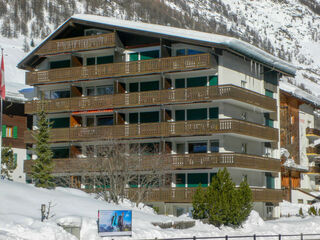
[(20, 217)]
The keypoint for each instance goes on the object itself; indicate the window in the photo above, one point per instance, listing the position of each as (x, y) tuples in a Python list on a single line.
[(270, 181), (292, 139), (145, 55), (244, 148), (181, 148), (213, 113), (90, 91), (180, 180), (60, 152), (268, 150), (90, 121), (180, 83), (149, 86), (213, 80), (214, 146), (292, 120), (15, 159), (197, 114), (99, 60), (194, 179), (60, 122), (149, 117), (243, 84), (180, 52), (183, 51), (300, 201), (9, 132), (104, 90), (180, 115), (60, 64), (60, 94), (268, 122), (269, 93), (197, 81), (104, 120), (198, 147)]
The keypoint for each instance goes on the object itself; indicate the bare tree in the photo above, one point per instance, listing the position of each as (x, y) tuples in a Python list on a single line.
[(119, 170)]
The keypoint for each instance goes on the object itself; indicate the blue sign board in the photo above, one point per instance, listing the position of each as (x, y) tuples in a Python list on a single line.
[(114, 223)]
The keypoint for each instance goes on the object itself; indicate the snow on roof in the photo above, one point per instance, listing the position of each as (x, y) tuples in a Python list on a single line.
[(229, 42)]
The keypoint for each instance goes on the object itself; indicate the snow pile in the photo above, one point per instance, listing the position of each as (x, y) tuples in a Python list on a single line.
[(20, 217), (292, 209), (290, 163)]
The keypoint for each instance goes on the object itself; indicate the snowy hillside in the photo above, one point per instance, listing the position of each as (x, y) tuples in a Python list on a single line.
[(20, 217), (286, 28)]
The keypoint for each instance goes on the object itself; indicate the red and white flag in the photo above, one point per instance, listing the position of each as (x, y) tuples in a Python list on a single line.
[(2, 83)]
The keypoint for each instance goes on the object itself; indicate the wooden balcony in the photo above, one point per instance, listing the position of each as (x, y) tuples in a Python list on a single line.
[(83, 43), (184, 195), (314, 170), (170, 162), (163, 129), (313, 132), (313, 151), (158, 65), (181, 95)]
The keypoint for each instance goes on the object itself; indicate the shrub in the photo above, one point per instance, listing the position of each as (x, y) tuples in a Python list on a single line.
[(312, 211), (301, 212)]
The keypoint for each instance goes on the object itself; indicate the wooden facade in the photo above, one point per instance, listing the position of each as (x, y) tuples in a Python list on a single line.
[(160, 97), (163, 129)]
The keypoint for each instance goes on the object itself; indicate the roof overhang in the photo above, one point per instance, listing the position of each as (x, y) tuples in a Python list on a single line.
[(176, 34)]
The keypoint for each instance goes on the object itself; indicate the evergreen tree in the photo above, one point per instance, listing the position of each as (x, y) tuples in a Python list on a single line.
[(222, 203), (32, 43), (8, 162), (43, 165), (199, 204)]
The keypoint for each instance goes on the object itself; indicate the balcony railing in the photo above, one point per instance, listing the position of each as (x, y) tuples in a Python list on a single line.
[(169, 162), (157, 65), (314, 170), (153, 98), (313, 132), (77, 44), (184, 195), (313, 151), (164, 129)]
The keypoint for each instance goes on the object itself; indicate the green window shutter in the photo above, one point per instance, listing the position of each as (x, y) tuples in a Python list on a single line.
[(269, 93), (269, 122), (133, 57), (180, 180), (4, 130), (149, 117), (91, 61), (149, 86), (60, 122), (133, 118), (214, 113), (180, 83), (213, 80), (105, 59), (197, 114), (60, 64), (134, 87), (15, 132), (197, 82), (149, 55), (28, 156), (15, 159), (180, 116), (270, 181), (194, 179)]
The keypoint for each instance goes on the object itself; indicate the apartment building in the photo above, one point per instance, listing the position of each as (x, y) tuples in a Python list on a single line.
[(300, 122), (207, 101)]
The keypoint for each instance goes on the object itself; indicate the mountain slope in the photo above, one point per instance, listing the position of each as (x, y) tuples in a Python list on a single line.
[(285, 28)]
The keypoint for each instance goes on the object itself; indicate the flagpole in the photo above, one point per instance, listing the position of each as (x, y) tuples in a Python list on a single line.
[(2, 78)]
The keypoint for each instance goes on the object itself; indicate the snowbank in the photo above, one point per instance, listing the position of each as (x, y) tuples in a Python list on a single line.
[(20, 217)]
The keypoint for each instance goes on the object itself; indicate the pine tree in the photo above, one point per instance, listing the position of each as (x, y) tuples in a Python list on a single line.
[(199, 204), (43, 165), (222, 203), (8, 162)]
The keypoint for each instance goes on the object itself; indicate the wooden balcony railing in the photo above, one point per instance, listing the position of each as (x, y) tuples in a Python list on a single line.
[(77, 44), (313, 151), (169, 162), (157, 65), (313, 132), (165, 129), (184, 195), (314, 170), (153, 98)]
